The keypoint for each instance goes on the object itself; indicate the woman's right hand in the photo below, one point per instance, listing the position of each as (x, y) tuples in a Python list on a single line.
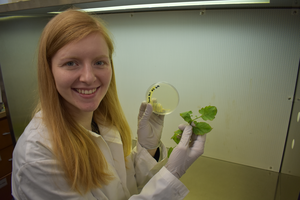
[(190, 147)]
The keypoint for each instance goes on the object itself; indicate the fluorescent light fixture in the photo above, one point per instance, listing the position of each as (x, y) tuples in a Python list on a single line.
[(169, 5), (15, 17)]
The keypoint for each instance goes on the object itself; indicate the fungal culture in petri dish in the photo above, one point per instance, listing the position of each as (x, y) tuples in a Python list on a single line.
[(163, 97)]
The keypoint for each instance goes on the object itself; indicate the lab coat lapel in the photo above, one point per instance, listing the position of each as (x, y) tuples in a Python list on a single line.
[(113, 140), (104, 149)]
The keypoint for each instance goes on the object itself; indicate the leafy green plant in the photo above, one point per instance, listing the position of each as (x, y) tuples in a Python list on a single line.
[(199, 128)]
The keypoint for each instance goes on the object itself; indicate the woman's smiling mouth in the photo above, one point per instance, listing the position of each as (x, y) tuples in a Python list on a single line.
[(85, 91)]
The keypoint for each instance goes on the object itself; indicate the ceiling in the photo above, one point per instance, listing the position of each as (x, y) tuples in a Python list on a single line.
[(278, 4)]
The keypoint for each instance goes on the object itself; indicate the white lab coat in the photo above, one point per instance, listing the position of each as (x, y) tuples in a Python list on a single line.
[(37, 176)]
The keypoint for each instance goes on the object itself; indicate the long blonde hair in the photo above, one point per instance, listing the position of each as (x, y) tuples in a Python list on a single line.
[(84, 164)]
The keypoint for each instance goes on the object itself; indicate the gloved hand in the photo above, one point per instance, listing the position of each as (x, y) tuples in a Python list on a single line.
[(150, 127), (186, 152)]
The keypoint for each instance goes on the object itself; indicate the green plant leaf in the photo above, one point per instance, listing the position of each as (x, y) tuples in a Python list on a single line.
[(208, 113), (177, 136), (170, 151), (201, 128), (197, 131), (187, 116)]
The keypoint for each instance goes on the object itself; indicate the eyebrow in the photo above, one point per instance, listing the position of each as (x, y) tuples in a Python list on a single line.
[(76, 57)]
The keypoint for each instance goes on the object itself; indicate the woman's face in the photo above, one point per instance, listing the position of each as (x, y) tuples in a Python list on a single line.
[(82, 73)]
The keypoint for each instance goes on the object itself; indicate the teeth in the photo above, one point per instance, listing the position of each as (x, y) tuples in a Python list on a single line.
[(86, 91)]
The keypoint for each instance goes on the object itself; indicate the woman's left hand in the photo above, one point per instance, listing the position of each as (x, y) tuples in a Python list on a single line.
[(150, 127)]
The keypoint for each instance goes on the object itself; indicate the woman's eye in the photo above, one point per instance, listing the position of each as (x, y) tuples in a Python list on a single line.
[(71, 63), (99, 63)]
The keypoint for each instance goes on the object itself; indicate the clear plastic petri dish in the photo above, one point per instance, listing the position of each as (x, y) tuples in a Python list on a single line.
[(163, 97)]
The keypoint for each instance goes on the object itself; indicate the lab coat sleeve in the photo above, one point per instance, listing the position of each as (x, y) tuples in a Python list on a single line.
[(153, 180), (43, 180), (36, 174), (163, 185)]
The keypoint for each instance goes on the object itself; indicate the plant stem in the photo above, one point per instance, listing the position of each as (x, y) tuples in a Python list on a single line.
[(196, 118)]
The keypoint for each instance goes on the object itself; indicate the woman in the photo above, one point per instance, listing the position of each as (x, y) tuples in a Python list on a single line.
[(78, 144)]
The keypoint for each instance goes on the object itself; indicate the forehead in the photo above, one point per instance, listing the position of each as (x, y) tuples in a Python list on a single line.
[(93, 44)]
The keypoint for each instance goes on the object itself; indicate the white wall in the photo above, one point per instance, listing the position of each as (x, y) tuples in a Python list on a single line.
[(18, 49), (4, 1), (242, 61)]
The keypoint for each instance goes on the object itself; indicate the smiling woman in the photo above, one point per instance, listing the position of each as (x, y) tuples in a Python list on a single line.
[(78, 144), (59, 68), (82, 74)]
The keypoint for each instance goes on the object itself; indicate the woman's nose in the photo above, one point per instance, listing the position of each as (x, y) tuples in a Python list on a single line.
[(87, 74)]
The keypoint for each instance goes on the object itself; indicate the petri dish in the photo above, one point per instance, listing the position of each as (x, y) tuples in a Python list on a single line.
[(163, 97)]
